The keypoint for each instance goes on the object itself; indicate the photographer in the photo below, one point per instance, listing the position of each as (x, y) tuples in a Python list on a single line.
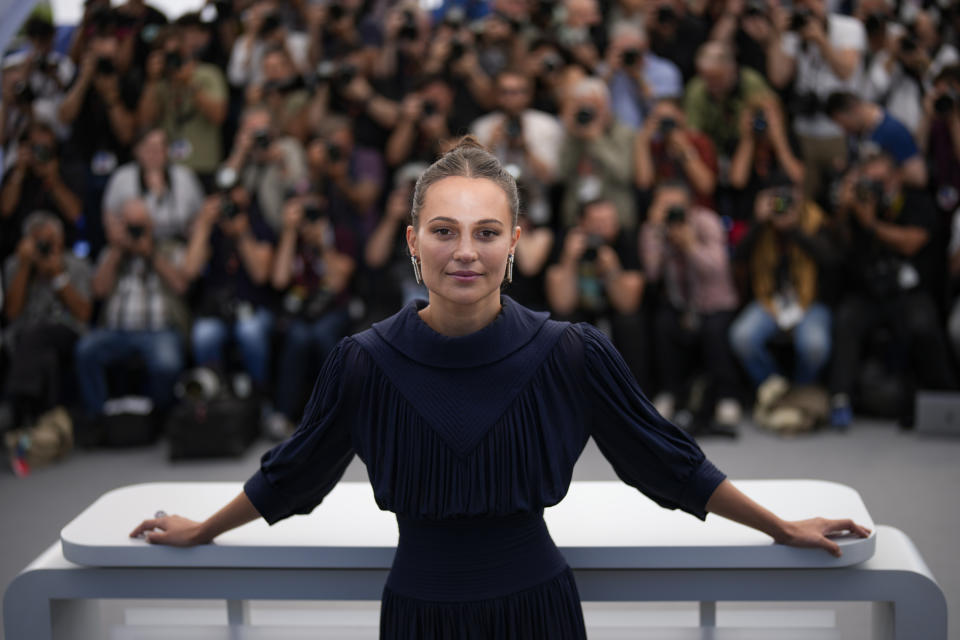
[(172, 192), (348, 178), (140, 282), (763, 150), (455, 54), (887, 233), (939, 136), (389, 283), (667, 149), (788, 253), (596, 159), (231, 252), (820, 53), (525, 138), (48, 307), (101, 108), (636, 77), (720, 94), (312, 271), (405, 48), (268, 166), (16, 106), (38, 182), (423, 125), (282, 92), (596, 278), (50, 72), (675, 34), (188, 99), (684, 250), (867, 122), (263, 29)]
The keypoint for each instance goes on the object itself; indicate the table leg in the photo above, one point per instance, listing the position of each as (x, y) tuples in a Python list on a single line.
[(708, 614)]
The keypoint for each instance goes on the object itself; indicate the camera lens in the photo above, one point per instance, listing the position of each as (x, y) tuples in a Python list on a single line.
[(943, 104), (676, 215), (631, 57), (105, 67), (585, 115)]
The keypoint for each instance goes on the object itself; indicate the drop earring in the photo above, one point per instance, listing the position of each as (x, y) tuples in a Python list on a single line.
[(416, 269), (510, 269)]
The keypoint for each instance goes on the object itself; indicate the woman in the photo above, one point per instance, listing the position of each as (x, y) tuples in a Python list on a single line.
[(470, 412)]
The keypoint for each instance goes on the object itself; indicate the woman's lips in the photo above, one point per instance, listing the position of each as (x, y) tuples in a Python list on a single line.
[(465, 276)]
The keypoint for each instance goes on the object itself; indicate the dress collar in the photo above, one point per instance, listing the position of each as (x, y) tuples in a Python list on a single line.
[(514, 327)]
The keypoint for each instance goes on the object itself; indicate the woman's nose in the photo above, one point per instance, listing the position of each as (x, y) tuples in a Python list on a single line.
[(466, 251)]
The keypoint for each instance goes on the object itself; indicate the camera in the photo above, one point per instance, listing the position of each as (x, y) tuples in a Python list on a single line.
[(869, 189), (755, 8), (261, 139), (105, 67), (585, 115), (676, 215), (760, 123), (135, 231), (666, 126), (876, 24), (908, 44), (271, 22), (945, 102), (409, 30), (666, 15), (782, 203), (457, 49), (631, 56), (44, 248), (594, 242), (336, 11), (172, 61), (429, 108), (41, 153), (312, 212), (514, 129), (334, 152), (551, 62), (800, 18), (455, 18)]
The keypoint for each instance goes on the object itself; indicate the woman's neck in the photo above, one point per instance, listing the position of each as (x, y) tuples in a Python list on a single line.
[(454, 320)]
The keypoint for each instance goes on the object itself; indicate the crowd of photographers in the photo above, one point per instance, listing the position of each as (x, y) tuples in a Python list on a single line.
[(749, 197)]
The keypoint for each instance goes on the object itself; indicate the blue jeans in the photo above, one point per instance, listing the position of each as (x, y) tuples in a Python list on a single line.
[(162, 352), (811, 340), (252, 335), (306, 347)]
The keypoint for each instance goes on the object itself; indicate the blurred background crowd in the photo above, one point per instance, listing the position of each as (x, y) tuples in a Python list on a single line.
[(754, 198)]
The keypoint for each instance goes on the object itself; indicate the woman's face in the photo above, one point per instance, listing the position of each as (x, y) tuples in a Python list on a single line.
[(464, 236)]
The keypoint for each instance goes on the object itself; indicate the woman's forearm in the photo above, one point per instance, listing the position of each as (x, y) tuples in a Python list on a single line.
[(237, 512), (731, 503)]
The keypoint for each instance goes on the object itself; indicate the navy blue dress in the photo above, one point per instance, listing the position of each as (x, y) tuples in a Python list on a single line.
[(467, 439)]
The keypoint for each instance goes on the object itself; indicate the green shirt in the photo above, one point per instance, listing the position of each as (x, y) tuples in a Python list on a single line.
[(720, 119), (194, 140)]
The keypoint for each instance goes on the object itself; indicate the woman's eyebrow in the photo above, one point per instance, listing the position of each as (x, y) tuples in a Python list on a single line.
[(457, 222)]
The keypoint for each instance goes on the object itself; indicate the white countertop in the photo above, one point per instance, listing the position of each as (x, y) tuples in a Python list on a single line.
[(598, 525)]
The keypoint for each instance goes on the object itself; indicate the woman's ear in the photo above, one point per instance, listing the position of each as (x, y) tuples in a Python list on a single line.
[(411, 240), (516, 236)]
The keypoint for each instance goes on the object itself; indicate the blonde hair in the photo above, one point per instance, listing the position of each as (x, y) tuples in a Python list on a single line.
[(467, 159)]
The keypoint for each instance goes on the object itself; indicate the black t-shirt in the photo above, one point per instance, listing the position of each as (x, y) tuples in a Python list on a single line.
[(35, 197), (92, 133), (682, 49), (877, 269)]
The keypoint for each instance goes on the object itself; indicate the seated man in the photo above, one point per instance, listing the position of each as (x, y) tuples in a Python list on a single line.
[(868, 122), (892, 262), (788, 253), (596, 278), (140, 281), (48, 307), (684, 249)]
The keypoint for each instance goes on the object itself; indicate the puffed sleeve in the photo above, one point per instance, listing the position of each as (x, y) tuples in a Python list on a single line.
[(646, 450), (295, 475)]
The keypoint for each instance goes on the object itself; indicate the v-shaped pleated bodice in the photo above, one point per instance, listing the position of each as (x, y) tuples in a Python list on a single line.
[(476, 433)]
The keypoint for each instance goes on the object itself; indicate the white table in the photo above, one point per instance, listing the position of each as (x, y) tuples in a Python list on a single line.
[(621, 546)]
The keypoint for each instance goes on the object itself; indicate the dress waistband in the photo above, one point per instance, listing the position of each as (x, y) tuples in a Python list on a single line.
[(472, 558)]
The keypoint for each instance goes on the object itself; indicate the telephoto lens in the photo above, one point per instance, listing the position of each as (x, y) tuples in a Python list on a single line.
[(585, 115)]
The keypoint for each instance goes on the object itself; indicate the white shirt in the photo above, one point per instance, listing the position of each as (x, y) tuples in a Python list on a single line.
[(814, 75), (170, 213)]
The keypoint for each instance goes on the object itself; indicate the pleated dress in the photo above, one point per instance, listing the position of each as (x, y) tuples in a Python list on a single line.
[(467, 440)]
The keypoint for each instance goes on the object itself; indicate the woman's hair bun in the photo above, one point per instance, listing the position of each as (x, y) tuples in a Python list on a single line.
[(468, 142)]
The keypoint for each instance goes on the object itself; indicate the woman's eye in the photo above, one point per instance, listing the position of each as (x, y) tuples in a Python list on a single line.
[(489, 234), (442, 231)]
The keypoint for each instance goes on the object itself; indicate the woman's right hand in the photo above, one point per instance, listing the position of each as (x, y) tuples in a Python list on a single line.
[(175, 531)]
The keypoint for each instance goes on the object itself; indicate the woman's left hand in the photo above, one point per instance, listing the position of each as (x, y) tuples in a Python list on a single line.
[(813, 533)]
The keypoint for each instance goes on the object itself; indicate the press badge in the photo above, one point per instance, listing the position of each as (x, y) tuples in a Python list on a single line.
[(180, 150), (103, 163)]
